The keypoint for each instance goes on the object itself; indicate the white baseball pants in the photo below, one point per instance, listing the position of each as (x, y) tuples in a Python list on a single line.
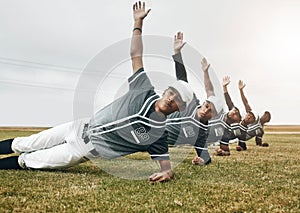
[(59, 147)]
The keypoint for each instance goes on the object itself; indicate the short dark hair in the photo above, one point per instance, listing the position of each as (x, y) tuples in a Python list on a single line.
[(268, 114), (252, 115), (234, 107)]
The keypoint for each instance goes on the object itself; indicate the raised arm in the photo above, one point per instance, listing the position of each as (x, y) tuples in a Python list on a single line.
[(209, 88), (179, 66), (226, 81), (136, 49), (244, 99)]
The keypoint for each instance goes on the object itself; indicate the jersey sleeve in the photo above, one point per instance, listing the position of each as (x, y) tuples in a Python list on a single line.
[(227, 136), (159, 149), (139, 80), (201, 147), (240, 132), (228, 101), (258, 137), (179, 67)]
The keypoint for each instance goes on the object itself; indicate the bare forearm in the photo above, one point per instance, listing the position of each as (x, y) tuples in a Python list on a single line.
[(165, 165), (209, 88), (136, 48)]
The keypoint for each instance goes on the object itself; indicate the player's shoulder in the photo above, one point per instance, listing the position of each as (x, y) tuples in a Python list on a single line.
[(217, 119), (138, 74)]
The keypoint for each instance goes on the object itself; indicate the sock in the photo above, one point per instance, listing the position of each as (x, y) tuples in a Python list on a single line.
[(5, 147), (10, 163)]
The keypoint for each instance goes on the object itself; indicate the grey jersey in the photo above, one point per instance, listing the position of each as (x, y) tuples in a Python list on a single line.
[(219, 130), (130, 123), (240, 132), (255, 130), (185, 128), (222, 132)]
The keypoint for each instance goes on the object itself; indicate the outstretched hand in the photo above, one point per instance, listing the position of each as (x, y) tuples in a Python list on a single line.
[(161, 176), (241, 85), (205, 65), (178, 42), (226, 81), (198, 161), (139, 12)]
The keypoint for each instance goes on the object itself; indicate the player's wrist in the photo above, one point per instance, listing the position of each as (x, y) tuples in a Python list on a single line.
[(169, 173), (138, 25), (177, 51), (138, 21), (138, 29)]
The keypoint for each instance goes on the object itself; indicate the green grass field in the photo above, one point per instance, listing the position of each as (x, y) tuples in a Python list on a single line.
[(257, 180)]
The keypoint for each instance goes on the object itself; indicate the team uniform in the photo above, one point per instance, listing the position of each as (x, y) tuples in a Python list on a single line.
[(58, 147), (223, 133), (219, 131), (240, 132), (117, 130), (184, 127), (128, 125), (255, 130)]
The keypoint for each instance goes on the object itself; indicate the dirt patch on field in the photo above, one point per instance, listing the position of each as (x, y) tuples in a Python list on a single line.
[(282, 128), (38, 129)]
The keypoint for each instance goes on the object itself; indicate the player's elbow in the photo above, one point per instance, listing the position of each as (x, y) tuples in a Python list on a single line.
[(135, 52), (210, 92)]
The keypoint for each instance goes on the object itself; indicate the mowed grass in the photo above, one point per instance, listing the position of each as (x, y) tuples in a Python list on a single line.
[(257, 180)]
